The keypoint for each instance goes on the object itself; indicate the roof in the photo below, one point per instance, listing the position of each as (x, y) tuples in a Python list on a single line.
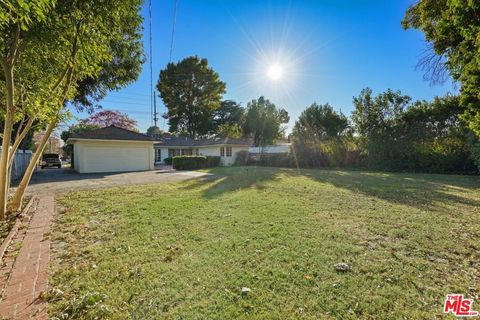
[(112, 133), (173, 141)]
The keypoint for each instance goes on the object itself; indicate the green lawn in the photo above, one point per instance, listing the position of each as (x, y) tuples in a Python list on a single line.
[(185, 250)]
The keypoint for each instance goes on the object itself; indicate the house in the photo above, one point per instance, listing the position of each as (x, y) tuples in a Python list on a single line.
[(113, 149)]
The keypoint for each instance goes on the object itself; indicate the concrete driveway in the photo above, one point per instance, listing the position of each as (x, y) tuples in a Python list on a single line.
[(54, 181)]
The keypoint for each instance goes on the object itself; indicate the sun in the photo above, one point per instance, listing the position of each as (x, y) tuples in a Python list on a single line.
[(275, 72)]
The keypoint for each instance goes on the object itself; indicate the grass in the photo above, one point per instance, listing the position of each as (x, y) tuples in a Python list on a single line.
[(185, 250)]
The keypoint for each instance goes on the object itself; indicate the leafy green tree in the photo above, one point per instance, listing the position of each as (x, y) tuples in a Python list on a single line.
[(263, 121), (229, 113), (320, 137), (191, 91), (229, 131), (319, 122), (53, 46), (154, 131), (375, 120), (432, 137), (452, 27), (75, 129)]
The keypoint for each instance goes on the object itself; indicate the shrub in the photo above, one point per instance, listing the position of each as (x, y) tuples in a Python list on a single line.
[(168, 161), (275, 160), (189, 162), (212, 161)]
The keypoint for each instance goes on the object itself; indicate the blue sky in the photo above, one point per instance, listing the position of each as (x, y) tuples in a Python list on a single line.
[(328, 50)]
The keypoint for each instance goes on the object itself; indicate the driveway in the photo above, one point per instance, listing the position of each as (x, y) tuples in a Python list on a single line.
[(53, 181)]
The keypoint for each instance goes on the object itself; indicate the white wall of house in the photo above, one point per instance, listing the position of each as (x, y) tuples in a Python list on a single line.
[(215, 151), (280, 148), (207, 151), (112, 156)]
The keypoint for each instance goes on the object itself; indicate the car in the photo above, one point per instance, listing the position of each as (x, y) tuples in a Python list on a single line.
[(50, 160)]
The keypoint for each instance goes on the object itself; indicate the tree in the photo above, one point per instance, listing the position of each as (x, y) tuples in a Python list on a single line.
[(154, 131), (107, 118), (191, 91), (74, 129), (229, 131), (375, 120), (52, 48), (451, 27), (320, 122), (263, 121), (320, 137), (229, 113)]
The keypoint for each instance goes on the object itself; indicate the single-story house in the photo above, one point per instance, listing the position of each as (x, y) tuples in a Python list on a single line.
[(113, 149), (225, 148)]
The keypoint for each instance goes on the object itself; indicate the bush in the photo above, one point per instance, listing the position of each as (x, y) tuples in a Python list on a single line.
[(189, 162), (168, 161), (212, 161), (275, 160)]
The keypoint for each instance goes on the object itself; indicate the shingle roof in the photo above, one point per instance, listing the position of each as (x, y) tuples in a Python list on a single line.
[(112, 133), (189, 142)]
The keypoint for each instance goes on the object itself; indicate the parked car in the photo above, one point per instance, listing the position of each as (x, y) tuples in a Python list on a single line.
[(51, 160)]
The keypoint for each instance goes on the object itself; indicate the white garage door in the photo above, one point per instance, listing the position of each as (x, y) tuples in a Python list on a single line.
[(111, 159)]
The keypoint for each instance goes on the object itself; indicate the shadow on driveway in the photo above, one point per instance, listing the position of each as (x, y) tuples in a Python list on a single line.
[(53, 181)]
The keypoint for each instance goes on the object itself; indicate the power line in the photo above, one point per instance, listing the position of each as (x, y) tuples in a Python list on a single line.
[(172, 41), (173, 30)]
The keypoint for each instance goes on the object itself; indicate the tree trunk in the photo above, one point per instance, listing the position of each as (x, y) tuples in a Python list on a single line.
[(17, 199), (19, 140), (7, 136)]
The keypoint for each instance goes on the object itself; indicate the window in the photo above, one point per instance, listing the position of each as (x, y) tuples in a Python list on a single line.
[(158, 155), (222, 152), (229, 151), (173, 152), (186, 152)]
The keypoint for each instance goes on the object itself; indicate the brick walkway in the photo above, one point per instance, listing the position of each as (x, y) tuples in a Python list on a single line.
[(21, 298)]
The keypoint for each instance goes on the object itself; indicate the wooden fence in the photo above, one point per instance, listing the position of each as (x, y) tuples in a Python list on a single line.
[(20, 163)]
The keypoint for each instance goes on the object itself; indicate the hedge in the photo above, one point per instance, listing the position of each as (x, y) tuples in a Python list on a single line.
[(189, 162), (168, 161)]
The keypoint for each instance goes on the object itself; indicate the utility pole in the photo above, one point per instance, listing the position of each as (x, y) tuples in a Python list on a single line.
[(155, 119)]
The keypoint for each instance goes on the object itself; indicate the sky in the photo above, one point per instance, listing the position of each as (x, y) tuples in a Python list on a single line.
[(324, 51)]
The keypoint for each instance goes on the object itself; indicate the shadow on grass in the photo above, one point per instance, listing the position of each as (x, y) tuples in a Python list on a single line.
[(416, 190), (233, 179)]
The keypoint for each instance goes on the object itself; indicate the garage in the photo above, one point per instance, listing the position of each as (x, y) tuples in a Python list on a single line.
[(112, 149)]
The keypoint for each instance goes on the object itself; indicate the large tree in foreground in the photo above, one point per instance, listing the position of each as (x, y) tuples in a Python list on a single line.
[(191, 91), (263, 121), (452, 29), (48, 48)]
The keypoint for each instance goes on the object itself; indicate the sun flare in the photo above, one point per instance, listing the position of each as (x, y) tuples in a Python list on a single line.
[(275, 72)]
